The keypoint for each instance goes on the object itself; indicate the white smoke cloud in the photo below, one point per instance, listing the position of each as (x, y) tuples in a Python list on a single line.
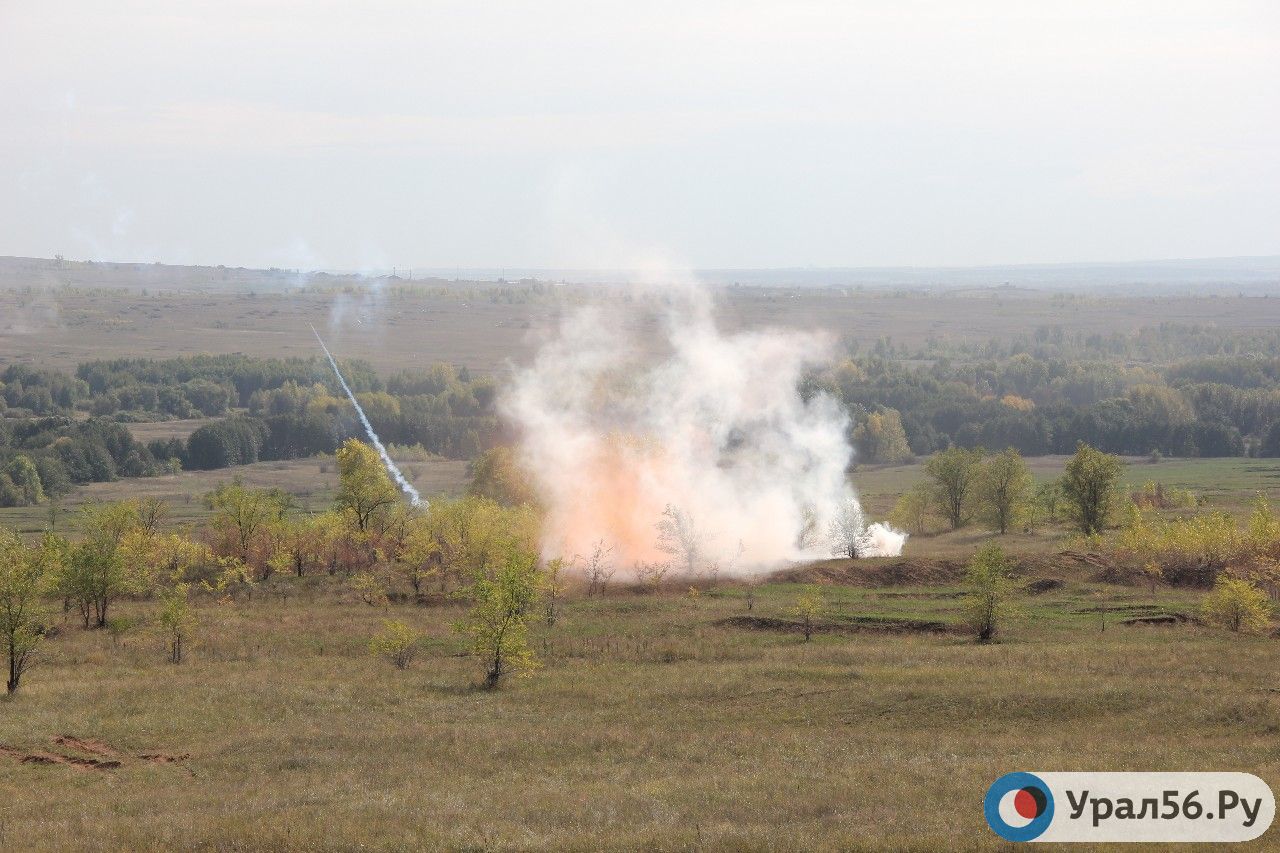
[(640, 405)]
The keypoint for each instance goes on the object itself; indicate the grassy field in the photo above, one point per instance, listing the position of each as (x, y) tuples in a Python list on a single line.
[(61, 316), (1229, 484), (311, 482), (659, 721)]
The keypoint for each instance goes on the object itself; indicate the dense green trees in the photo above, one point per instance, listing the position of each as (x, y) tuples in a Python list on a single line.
[(232, 441), (43, 457)]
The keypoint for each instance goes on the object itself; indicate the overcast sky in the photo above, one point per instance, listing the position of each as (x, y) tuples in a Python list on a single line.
[(356, 135)]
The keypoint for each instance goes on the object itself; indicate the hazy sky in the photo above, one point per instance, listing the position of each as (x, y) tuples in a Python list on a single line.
[(592, 134)]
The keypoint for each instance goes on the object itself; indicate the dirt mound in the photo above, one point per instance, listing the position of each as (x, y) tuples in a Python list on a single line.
[(851, 625), (1040, 586), (108, 757), (890, 571), (93, 747), (927, 571), (41, 757)]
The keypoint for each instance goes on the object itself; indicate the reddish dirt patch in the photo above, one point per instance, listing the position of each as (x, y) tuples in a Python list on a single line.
[(41, 757), (107, 756), (89, 745)]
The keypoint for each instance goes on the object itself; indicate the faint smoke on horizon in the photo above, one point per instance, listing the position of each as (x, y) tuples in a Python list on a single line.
[(682, 425)]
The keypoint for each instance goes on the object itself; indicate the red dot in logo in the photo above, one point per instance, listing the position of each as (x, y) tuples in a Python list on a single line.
[(1025, 804)]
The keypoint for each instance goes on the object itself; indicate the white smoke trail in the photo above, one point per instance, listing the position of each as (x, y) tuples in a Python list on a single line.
[(626, 423), (405, 486)]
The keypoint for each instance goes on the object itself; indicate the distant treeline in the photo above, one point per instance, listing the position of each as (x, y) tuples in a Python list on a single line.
[(269, 408), (1172, 389), (1213, 406)]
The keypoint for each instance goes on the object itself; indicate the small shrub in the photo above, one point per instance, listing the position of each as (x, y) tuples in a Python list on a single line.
[(397, 642), (1237, 605), (118, 626), (369, 589), (809, 608)]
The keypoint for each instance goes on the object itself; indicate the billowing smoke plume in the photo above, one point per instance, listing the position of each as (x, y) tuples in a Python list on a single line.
[(405, 485), (648, 428)]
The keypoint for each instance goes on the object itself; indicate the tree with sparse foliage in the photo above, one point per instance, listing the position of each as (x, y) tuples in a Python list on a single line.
[(954, 473), (986, 603), (177, 620), (1237, 605), (1048, 496), (809, 607), (848, 530), (1004, 490), (502, 600), (24, 573), (678, 535), (1090, 488), (912, 511)]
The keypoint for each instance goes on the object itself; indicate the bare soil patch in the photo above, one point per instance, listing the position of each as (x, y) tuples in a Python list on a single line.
[(852, 625)]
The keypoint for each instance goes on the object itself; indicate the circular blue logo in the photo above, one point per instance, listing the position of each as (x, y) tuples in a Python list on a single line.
[(1018, 806)]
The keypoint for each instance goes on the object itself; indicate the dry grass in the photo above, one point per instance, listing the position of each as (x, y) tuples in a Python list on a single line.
[(650, 726), (312, 482), (67, 317)]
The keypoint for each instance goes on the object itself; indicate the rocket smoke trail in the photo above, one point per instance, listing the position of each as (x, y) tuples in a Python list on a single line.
[(405, 485)]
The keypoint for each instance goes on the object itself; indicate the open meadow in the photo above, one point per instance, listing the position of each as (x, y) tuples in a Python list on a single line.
[(667, 721)]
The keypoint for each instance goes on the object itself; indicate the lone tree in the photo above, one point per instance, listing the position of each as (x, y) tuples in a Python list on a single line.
[(23, 574), (498, 622), (955, 472), (809, 608), (986, 603), (1005, 490), (177, 620), (848, 530), (1090, 488), (679, 536)]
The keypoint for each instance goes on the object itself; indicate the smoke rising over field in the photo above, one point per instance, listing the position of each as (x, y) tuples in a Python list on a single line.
[(686, 426)]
